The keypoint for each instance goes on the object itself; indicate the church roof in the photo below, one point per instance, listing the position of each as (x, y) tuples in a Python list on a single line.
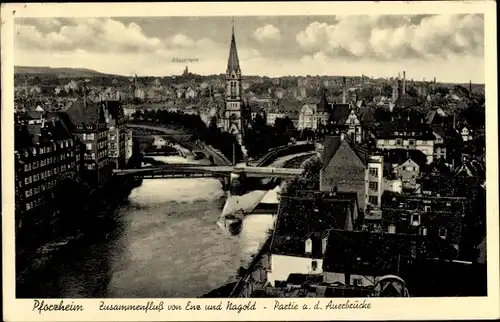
[(233, 63)]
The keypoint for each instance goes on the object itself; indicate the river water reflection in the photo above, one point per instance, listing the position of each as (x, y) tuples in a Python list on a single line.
[(167, 244)]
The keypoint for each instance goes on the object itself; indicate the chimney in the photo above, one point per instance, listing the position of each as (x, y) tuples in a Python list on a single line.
[(404, 82), (84, 95), (470, 88), (308, 246), (344, 90), (26, 86), (434, 80), (324, 244)]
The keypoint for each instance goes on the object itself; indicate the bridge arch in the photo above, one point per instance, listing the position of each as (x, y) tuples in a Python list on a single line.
[(217, 157)]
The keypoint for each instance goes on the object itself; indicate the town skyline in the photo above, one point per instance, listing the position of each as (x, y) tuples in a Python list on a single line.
[(448, 47)]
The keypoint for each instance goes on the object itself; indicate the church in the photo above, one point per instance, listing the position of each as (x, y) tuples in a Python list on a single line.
[(235, 116)]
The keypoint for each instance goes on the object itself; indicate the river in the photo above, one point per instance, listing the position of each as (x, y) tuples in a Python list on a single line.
[(166, 244)]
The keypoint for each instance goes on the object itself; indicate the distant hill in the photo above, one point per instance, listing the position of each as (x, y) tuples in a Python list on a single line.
[(61, 72)]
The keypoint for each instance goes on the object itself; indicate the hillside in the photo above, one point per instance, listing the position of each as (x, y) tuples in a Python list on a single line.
[(59, 72)]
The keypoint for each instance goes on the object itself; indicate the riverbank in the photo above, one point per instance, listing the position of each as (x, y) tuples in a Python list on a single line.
[(258, 202), (249, 201)]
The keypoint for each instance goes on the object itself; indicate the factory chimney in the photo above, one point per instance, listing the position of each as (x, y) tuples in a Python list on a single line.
[(84, 95), (344, 90), (26, 87), (470, 88), (404, 82)]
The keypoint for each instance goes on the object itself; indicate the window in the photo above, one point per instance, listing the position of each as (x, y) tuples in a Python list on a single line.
[(357, 282), (427, 208), (442, 233), (314, 265), (404, 168), (373, 200), (399, 142), (372, 185), (415, 219), (90, 136), (233, 88), (373, 172), (88, 146), (411, 142)]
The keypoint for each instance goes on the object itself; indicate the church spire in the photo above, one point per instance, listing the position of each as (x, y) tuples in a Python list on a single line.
[(233, 63)]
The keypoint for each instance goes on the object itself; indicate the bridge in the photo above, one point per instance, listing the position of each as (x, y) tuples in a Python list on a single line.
[(182, 139), (198, 171)]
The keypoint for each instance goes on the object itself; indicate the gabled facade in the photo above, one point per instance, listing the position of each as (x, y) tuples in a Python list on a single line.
[(343, 169), (353, 124), (295, 255), (89, 125)]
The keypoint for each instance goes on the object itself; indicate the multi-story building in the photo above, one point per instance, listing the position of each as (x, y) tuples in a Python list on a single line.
[(89, 124), (420, 214), (350, 168), (405, 165), (311, 116), (129, 145), (363, 258), (116, 133), (43, 154), (299, 242), (402, 134)]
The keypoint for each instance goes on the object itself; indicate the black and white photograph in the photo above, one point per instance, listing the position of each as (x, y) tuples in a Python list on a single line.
[(250, 156)]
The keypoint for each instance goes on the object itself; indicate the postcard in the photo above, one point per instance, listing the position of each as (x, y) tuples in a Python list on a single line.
[(250, 161)]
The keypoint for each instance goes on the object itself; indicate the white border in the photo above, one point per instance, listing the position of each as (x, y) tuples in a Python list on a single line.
[(381, 309)]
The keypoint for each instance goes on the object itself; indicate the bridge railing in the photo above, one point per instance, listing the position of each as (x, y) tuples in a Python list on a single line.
[(281, 151), (182, 139)]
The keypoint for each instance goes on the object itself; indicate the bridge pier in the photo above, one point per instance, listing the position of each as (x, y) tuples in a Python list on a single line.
[(226, 182)]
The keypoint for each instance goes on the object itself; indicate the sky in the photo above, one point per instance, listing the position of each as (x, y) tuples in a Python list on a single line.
[(448, 47)]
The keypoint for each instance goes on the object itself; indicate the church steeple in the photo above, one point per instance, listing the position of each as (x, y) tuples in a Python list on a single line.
[(233, 63)]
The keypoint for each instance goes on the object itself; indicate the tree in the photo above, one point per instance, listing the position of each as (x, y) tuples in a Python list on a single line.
[(387, 90)]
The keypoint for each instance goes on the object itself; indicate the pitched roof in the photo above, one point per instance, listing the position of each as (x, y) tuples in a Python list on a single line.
[(398, 156), (88, 113), (303, 216), (115, 109), (378, 254), (366, 114), (295, 246), (340, 113), (31, 134), (330, 146), (233, 63)]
